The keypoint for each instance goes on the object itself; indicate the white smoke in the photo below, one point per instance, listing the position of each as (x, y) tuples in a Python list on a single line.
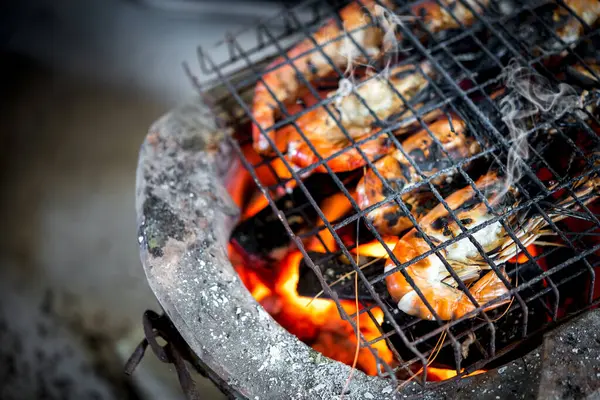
[(389, 21), (345, 88), (390, 48), (529, 95)]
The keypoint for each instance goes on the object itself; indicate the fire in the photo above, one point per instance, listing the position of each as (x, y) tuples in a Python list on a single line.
[(522, 258), (257, 203), (442, 374), (238, 180), (269, 173), (333, 208), (375, 248), (316, 322)]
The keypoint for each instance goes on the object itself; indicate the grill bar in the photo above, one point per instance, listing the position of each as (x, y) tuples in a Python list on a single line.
[(447, 92), (342, 312)]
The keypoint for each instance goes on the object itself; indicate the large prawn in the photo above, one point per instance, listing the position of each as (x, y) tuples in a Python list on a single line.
[(566, 22), (571, 27), (399, 172), (430, 274), (324, 126), (281, 83), (335, 45)]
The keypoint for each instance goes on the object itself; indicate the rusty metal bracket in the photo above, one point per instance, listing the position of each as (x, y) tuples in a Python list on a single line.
[(175, 351)]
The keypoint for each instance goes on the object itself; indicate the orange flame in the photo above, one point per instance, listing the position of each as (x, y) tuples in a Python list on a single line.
[(442, 374), (257, 203), (269, 173), (315, 321), (375, 248), (333, 208), (238, 182), (522, 258)]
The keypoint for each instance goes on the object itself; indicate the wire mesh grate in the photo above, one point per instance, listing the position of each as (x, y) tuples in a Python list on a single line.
[(485, 37)]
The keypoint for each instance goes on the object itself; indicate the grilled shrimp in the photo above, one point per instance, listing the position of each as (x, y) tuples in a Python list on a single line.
[(551, 27), (311, 62), (436, 18), (301, 156), (324, 131), (282, 79), (380, 98), (389, 218), (431, 276), (571, 28)]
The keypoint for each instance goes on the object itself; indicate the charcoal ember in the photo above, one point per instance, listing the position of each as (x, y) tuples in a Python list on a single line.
[(263, 238), (334, 267)]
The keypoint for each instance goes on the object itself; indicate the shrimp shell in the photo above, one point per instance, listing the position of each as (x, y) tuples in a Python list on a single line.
[(430, 274), (301, 156), (389, 219), (283, 80), (572, 29), (311, 61), (323, 125)]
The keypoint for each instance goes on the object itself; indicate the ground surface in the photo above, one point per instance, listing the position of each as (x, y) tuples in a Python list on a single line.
[(81, 85)]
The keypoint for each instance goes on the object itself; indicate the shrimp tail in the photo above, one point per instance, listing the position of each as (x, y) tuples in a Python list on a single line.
[(490, 288), (450, 303), (443, 299)]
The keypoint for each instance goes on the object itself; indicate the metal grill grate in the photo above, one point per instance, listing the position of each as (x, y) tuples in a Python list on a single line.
[(543, 290)]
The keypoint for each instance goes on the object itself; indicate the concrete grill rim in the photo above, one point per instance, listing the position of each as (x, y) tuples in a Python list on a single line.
[(192, 262), (172, 263), (181, 124)]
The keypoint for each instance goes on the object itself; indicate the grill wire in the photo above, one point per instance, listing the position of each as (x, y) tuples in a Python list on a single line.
[(241, 70)]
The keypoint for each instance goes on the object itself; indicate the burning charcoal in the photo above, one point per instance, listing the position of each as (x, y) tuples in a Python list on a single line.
[(263, 239), (334, 267)]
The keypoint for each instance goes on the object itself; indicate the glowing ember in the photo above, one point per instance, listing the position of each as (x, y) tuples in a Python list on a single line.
[(316, 322), (522, 258), (333, 208), (238, 181), (442, 374), (269, 173), (257, 203)]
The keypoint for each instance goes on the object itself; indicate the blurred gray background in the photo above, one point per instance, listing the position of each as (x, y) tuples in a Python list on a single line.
[(82, 81)]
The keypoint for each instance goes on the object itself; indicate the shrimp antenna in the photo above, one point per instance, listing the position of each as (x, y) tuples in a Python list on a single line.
[(357, 350), (432, 356), (343, 277)]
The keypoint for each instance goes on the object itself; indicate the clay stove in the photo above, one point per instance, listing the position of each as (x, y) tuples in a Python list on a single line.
[(187, 216)]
